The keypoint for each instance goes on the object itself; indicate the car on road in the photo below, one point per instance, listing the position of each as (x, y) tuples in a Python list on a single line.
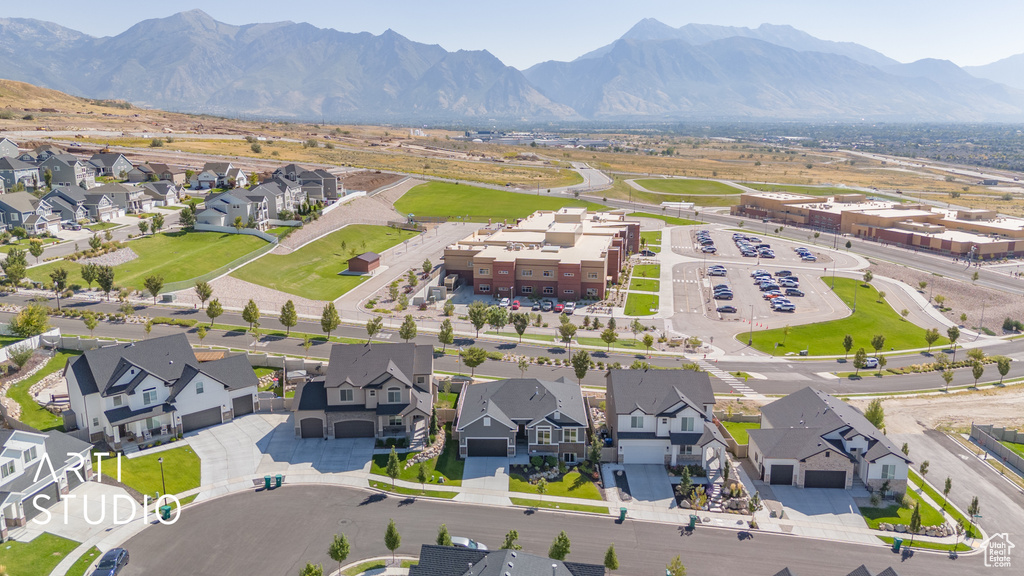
[(536, 306), (112, 562), (871, 362), (463, 542), (559, 307), (570, 307), (783, 273), (546, 306), (726, 309), (647, 253), (515, 305), (794, 292), (504, 303)]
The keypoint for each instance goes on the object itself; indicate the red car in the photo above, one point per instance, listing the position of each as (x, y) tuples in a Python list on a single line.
[(515, 304), (559, 308)]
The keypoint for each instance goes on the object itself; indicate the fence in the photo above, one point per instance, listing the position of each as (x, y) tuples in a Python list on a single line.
[(405, 226), (990, 438), (237, 263), (46, 338), (232, 230), (738, 450)]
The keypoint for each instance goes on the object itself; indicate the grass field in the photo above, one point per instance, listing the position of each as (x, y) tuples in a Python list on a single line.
[(808, 190), (653, 237), (534, 503), (31, 412), (36, 558), (666, 219), (181, 471), (447, 465), (641, 304), (644, 285), (687, 187), (896, 514), (961, 547), (1018, 448), (176, 256), (739, 430), (24, 245), (442, 199), (699, 199), (647, 271), (826, 338), (83, 562), (314, 271), (101, 226), (386, 486), (572, 485)]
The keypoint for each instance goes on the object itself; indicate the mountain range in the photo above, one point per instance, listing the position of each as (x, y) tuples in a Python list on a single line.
[(192, 63)]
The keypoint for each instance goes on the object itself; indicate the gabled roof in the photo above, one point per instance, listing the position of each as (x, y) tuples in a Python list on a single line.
[(68, 193), (20, 201), (106, 160), (160, 189), (362, 365), (658, 391), (161, 168), (451, 561), (366, 257), (115, 188), (57, 446), (234, 372), (793, 443), (163, 357), (8, 163), (219, 168), (523, 400)]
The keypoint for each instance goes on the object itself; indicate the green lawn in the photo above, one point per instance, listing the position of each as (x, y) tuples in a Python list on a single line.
[(446, 400), (442, 199), (101, 226), (961, 547), (6, 340), (181, 471), (36, 558), (687, 187), (826, 338), (31, 412), (796, 189), (386, 486), (83, 562), (644, 285), (666, 219), (739, 430), (937, 498), (374, 565), (897, 515), (23, 244), (315, 270), (447, 465), (641, 304), (624, 341), (177, 256), (647, 271), (533, 503), (573, 485), (653, 237), (1018, 448)]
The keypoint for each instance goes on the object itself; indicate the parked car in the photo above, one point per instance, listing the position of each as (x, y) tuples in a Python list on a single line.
[(504, 303), (789, 283), (726, 309), (569, 308), (546, 306), (463, 542), (71, 226), (794, 292), (515, 305), (783, 273), (559, 307), (760, 272), (112, 562), (718, 287), (708, 249), (717, 272), (647, 253), (723, 295), (809, 258), (785, 307), (536, 306)]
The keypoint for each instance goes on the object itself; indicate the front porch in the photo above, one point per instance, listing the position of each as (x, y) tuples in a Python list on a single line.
[(132, 436)]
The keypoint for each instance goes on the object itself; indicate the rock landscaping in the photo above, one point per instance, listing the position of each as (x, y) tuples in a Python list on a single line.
[(936, 531), (115, 258)]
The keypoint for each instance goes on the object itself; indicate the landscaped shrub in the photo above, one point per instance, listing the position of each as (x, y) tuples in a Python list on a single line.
[(188, 323), (494, 355), (536, 461)]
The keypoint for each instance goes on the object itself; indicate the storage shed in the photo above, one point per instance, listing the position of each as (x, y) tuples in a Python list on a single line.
[(364, 263)]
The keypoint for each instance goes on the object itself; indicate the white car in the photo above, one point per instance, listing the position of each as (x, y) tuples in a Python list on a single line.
[(463, 542), (570, 307), (871, 362), (504, 303)]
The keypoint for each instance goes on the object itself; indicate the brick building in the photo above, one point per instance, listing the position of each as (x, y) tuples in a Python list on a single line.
[(570, 254)]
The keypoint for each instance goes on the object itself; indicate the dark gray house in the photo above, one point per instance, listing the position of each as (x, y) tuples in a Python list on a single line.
[(8, 148), (378, 391), (320, 184), (68, 202), (501, 417), (101, 207), (68, 170), (163, 192), (14, 171), (111, 164), (451, 561), (23, 210)]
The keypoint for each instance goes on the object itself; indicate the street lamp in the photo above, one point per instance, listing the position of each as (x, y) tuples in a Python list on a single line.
[(163, 482), (750, 339)]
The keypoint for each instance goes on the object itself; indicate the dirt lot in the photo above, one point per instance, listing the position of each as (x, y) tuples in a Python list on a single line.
[(367, 180), (911, 415)]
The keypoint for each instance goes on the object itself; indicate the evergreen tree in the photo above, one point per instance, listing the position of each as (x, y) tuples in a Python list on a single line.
[(289, 317), (251, 313), (560, 547), (329, 320)]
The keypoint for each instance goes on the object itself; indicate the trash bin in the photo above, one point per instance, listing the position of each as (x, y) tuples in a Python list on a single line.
[(266, 482), (693, 521), (622, 514), (277, 481), (896, 543), (165, 512)]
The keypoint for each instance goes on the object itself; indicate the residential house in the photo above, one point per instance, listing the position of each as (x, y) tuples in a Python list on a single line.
[(282, 195), (321, 185), (101, 207), (290, 172), (226, 208), (111, 164), (662, 417), (131, 199), (37, 470), (163, 192), (813, 440), (8, 148), (861, 570), (69, 170), (504, 417), (173, 174), (370, 391), (127, 394), (437, 560), (14, 172), (142, 173), (23, 210), (41, 153), (204, 180), (228, 176), (68, 202)]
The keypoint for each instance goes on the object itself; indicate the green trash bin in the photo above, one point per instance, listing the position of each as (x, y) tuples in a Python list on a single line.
[(165, 512), (693, 521), (266, 482), (622, 514), (896, 544), (277, 481)]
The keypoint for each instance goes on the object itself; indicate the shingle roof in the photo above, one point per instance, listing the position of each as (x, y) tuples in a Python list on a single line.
[(234, 372), (124, 414), (361, 365), (523, 400), (861, 570), (106, 160), (163, 357), (792, 443), (20, 201), (366, 257), (655, 391), (451, 561), (57, 446), (8, 163), (69, 193)]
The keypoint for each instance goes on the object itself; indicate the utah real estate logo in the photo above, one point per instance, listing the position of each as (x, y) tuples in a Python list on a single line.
[(997, 550)]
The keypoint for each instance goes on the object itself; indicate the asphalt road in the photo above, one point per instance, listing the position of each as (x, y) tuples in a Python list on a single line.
[(280, 531)]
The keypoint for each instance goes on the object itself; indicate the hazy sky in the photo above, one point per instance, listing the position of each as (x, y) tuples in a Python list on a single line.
[(524, 32)]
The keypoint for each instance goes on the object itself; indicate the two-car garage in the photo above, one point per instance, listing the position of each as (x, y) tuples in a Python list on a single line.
[(355, 429), (487, 447), (825, 479)]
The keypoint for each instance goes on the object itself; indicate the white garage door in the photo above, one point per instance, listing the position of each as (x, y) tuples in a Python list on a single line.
[(643, 454)]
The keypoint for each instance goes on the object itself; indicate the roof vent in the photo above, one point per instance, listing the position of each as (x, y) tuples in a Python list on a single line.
[(513, 554)]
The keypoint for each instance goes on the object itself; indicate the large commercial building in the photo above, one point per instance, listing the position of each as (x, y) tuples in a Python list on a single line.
[(570, 254), (981, 234)]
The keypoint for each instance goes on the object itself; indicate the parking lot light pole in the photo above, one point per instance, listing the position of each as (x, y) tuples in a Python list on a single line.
[(163, 482), (750, 339)]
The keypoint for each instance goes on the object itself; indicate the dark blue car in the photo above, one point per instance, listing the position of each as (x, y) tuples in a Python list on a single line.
[(112, 562)]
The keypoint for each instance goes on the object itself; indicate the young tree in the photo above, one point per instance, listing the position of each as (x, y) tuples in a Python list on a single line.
[(251, 313), (446, 335), (35, 248), (580, 365), (307, 342), (510, 541), (609, 337), (427, 266), (881, 364), (477, 312), (977, 370), (1002, 365), (329, 320), (945, 491), (524, 365), (289, 317), (187, 217), (449, 308), (59, 282), (413, 279), (877, 342), (497, 318), (31, 321), (421, 475), (915, 522), (373, 327), (560, 547), (611, 561), (95, 242), (392, 539), (473, 357), (20, 355), (203, 292), (973, 511), (905, 449), (90, 322), (143, 226), (648, 341), (520, 322), (947, 377), (594, 450), (443, 537), (849, 244), (636, 327), (105, 279), (154, 284), (312, 570), (148, 326), (875, 413), (931, 335), (238, 224), (89, 274), (214, 310), (393, 291), (959, 529), (847, 345), (859, 359), (566, 332), (542, 488), (953, 334), (434, 427), (407, 331), (675, 567), (339, 550), (15, 266), (394, 468), (923, 469), (201, 333), (868, 277)]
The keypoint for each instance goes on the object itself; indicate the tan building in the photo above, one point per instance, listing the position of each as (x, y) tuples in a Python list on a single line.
[(570, 254)]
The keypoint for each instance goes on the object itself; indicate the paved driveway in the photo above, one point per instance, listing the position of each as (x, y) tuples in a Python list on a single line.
[(80, 523), (821, 505), (649, 483), (482, 474)]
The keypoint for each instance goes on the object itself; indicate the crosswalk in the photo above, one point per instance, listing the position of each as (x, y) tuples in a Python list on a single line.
[(684, 281), (733, 382)]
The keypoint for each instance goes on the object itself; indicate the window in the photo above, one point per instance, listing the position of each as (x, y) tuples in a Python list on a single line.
[(543, 435), (394, 420), (29, 455), (95, 422), (569, 458), (568, 274), (152, 423), (526, 273), (549, 273), (485, 271), (487, 420), (592, 275), (394, 395), (548, 290), (346, 395), (592, 292), (636, 422), (888, 471), (686, 450), (485, 287), (686, 424), (570, 435), (568, 291), (199, 387), (527, 289), (149, 396), (7, 469), (828, 454), (118, 400), (502, 271)]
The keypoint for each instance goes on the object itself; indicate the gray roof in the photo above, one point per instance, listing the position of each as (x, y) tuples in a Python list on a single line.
[(8, 163), (366, 257), (792, 443), (159, 189), (523, 400), (57, 446), (72, 194), (115, 188), (451, 561), (811, 408), (861, 570), (657, 391), (234, 372), (20, 201), (124, 414), (106, 160), (364, 365), (219, 168)]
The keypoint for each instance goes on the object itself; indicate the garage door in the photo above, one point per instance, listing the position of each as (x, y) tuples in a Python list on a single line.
[(202, 419), (643, 455), (782, 475), (312, 428), (73, 479), (354, 429), (825, 479), (487, 447), (242, 405), (53, 491)]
